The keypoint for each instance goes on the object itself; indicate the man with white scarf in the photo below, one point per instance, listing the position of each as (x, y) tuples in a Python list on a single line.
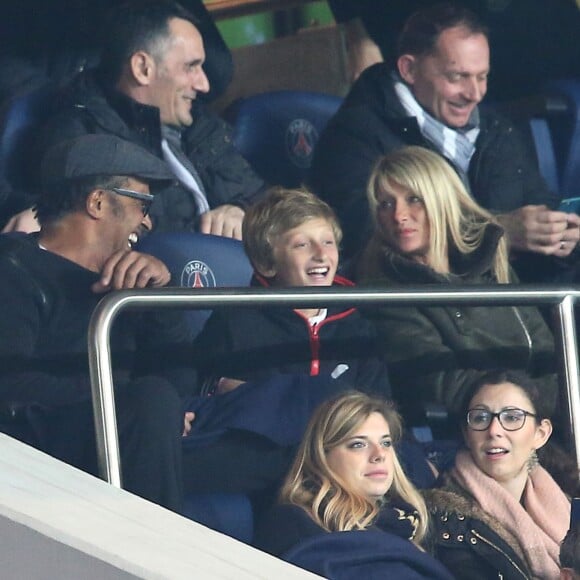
[(432, 99)]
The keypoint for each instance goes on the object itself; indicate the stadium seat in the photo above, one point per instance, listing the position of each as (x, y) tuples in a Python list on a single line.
[(206, 261), (536, 117), (200, 261), (20, 118), (566, 132), (544, 146), (277, 131)]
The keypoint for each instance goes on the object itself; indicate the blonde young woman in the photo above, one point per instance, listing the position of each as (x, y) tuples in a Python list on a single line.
[(429, 231), (347, 509)]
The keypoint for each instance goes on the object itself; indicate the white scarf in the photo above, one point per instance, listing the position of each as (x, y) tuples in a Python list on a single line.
[(182, 167), (457, 145)]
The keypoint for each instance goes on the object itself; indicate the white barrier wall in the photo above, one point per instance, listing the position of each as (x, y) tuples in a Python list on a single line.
[(57, 522)]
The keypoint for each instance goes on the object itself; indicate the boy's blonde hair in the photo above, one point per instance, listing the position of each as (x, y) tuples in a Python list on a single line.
[(279, 211)]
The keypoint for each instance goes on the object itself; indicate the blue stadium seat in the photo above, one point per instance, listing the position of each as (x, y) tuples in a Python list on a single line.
[(566, 132), (545, 152), (20, 119), (534, 117), (200, 261), (206, 261), (277, 131)]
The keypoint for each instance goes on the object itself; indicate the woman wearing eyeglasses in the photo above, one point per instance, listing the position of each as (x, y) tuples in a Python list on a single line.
[(430, 232), (499, 513)]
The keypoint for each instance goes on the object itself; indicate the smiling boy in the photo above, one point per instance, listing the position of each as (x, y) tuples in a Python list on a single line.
[(292, 239), (292, 359)]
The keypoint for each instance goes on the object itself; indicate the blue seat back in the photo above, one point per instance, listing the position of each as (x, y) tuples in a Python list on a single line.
[(545, 152), (277, 132), (20, 119), (567, 135), (200, 261), (205, 261)]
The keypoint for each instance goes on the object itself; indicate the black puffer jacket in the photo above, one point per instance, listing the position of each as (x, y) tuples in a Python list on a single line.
[(471, 544), (503, 174), (257, 343), (227, 177), (434, 353)]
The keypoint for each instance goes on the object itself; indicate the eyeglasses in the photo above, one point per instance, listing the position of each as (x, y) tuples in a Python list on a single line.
[(146, 199), (511, 419)]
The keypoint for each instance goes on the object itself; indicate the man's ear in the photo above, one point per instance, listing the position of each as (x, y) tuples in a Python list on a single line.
[(94, 203), (407, 65), (142, 67)]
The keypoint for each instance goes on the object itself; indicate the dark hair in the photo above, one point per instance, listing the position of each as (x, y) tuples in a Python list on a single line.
[(421, 31), (570, 549), (59, 200), (559, 464), (136, 25), (530, 386)]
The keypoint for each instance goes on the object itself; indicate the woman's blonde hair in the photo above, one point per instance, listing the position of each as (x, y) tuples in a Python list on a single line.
[(314, 486), (454, 217)]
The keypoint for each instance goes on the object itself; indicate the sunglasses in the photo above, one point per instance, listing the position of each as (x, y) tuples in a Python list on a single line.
[(146, 199)]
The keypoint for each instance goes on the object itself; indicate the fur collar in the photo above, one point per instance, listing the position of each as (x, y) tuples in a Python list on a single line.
[(453, 499), (378, 260)]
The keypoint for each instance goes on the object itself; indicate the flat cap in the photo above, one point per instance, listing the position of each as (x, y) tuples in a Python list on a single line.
[(91, 155)]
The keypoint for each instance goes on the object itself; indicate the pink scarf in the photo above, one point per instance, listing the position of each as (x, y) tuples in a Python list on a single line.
[(539, 525)]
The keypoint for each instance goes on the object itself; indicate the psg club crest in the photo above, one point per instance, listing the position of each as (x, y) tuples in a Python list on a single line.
[(301, 136), (197, 274)]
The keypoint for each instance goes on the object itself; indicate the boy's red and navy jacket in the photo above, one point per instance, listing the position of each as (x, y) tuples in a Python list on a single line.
[(259, 342)]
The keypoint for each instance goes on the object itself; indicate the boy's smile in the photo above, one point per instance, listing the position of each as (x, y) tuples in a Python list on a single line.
[(306, 255)]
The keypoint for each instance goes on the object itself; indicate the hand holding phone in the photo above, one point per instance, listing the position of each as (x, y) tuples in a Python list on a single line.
[(570, 205)]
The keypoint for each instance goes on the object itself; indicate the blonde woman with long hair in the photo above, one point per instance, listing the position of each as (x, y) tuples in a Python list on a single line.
[(347, 478), (429, 231)]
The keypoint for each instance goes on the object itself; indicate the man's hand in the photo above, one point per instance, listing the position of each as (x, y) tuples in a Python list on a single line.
[(535, 228), (187, 421), (127, 269), (25, 221), (225, 220)]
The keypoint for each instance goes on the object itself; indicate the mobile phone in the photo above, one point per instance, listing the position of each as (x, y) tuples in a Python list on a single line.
[(570, 205)]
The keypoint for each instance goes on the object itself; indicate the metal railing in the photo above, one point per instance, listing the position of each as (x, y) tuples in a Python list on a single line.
[(110, 306)]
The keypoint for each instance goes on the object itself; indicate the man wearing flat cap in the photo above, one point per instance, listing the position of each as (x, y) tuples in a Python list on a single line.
[(94, 206)]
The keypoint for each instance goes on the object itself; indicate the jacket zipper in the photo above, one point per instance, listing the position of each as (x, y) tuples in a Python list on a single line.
[(527, 335), (314, 338), (314, 350), (491, 544)]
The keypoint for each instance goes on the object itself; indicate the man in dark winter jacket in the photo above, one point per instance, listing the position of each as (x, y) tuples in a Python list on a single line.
[(95, 209), (534, 41), (144, 91), (431, 99)]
